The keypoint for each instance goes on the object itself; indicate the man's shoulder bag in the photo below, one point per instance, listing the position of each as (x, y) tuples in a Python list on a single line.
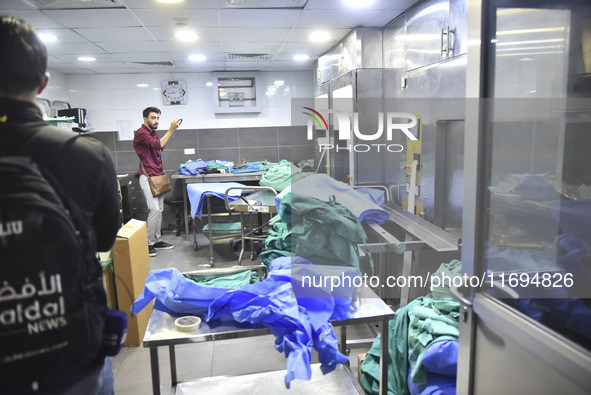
[(159, 185)]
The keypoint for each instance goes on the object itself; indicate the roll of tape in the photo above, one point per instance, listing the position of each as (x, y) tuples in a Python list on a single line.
[(188, 323)]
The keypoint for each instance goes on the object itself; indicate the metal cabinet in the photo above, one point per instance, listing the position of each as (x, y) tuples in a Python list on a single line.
[(435, 31), (525, 327), (132, 198), (349, 80)]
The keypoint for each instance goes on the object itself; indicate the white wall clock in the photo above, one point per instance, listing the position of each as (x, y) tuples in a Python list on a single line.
[(174, 92)]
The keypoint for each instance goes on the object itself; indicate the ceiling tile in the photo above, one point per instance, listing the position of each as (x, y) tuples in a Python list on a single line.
[(64, 36), (262, 34), (128, 47), (259, 18), (195, 18), (180, 58), (100, 57), (302, 35), (16, 6), (144, 31), (115, 34), (291, 49), (79, 49), (197, 47), (93, 18), (142, 4), (340, 19), (199, 65), (167, 33), (34, 18), (260, 47), (338, 4), (143, 57)]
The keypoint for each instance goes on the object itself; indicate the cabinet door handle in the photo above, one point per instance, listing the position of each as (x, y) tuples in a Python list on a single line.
[(444, 43), (448, 44), (451, 41)]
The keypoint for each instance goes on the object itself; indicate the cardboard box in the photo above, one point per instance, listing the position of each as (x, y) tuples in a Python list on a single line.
[(360, 359), (131, 264), (106, 260)]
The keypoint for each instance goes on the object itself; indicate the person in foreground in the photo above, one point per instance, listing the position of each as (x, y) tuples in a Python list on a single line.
[(84, 171), (148, 147)]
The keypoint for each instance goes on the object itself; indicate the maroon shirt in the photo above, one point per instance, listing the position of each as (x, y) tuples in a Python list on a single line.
[(146, 144)]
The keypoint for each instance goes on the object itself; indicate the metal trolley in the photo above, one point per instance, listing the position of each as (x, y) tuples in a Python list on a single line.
[(254, 202)]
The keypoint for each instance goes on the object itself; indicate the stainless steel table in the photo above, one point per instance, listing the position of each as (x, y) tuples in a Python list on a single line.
[(161, 331), (215, 177), (337, 382)]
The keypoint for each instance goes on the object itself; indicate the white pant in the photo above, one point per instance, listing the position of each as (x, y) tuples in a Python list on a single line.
[(155, 207)]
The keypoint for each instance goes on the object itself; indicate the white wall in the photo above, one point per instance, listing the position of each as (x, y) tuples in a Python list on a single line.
[(57, 89), (109, 98)]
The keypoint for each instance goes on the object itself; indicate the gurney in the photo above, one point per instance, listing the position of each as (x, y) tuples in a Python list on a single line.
[(260, 201), (230, 223)]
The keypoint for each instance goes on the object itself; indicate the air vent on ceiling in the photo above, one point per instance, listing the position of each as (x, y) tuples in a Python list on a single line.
[(158, 64), (75, 4), (247, 57)]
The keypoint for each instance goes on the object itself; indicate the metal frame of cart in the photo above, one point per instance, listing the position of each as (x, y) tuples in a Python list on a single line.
[(161, 332)]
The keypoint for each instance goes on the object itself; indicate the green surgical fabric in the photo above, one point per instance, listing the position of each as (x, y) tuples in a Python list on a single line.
[(436, 319), (281, 175), (278, 243), (415, 327), (326, 233), (233, 281), (398, 351)]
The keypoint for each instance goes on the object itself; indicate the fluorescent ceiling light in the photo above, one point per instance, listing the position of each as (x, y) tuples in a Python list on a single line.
[(301, 57), (170, 1), (186, 35), (319, 37), (358, 3), (47, 38), (86, 59), (209, 83), (142, 85), (197, 58), (279, 83)]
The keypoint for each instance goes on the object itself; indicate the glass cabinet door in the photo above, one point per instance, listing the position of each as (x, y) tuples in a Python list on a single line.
[(527, 218)]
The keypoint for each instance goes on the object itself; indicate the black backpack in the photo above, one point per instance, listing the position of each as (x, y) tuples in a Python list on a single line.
[(52, 301)]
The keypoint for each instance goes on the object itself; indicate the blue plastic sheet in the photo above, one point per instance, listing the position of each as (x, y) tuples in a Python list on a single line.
[(436, 385), (298, 324), (377, 196), (176, 293), (197, 191), (192, 167), (535, 187), (442, 358), (321, 186), (574, 217)]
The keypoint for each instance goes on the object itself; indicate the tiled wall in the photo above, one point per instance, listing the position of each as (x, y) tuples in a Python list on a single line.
[(232, 144), (234, 137), (112, 98)]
